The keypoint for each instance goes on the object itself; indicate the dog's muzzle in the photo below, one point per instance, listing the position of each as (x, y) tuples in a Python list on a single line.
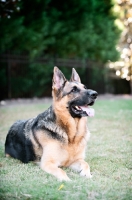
[(92, 94), (80, 106)]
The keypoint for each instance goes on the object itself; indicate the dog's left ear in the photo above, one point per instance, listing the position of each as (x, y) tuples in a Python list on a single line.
[(75, 77), (58, 79)]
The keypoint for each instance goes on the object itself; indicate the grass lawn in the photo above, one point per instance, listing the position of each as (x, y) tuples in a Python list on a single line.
[(109, 155)]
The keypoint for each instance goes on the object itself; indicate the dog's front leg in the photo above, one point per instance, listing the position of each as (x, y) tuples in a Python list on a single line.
[(51, 167), (82, 167)]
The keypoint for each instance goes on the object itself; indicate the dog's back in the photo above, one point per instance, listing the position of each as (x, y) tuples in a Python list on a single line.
[(17, 145), (22, 141)]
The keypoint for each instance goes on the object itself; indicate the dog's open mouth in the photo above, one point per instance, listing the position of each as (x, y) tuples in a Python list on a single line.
[(83, 110)]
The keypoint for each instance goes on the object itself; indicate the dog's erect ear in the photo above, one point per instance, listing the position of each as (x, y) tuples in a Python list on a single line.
[(75, 76), (58, 79)]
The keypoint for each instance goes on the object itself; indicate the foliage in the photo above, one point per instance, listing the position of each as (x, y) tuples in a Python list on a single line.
[(123, 67), (108, 154), (33, 80), (70, 29)]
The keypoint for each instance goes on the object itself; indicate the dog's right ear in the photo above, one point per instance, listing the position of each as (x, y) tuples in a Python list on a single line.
[(58, 79)]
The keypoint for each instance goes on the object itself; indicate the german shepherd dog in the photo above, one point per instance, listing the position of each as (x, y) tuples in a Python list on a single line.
[(57, 137)]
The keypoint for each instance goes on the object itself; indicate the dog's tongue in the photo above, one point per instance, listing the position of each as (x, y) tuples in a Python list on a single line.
[(89, 111)]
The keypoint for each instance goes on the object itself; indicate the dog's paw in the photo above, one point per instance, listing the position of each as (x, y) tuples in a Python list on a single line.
[(86, 173)]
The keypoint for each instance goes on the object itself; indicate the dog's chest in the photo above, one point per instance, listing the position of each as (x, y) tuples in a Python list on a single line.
[(72, 153)]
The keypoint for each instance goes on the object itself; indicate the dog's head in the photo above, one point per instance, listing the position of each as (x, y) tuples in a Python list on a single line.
[(76, 98)]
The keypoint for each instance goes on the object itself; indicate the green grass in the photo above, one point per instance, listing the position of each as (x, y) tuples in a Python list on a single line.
[(109, 155)]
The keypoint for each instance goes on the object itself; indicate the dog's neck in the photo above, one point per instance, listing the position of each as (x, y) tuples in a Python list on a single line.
[(74, 127)]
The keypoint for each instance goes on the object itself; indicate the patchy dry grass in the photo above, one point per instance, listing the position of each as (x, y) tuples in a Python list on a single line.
[(109, 154)]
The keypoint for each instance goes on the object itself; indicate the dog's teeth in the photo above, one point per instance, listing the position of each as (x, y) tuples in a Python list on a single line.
[(77, 107)]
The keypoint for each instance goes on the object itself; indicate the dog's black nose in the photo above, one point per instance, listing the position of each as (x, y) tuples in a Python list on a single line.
[(93, 94)]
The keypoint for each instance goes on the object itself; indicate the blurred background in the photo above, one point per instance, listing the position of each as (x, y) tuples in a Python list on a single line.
[(93, 36)]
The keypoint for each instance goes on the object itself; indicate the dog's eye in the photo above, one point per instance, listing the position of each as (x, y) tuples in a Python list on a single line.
[(75, 89)]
